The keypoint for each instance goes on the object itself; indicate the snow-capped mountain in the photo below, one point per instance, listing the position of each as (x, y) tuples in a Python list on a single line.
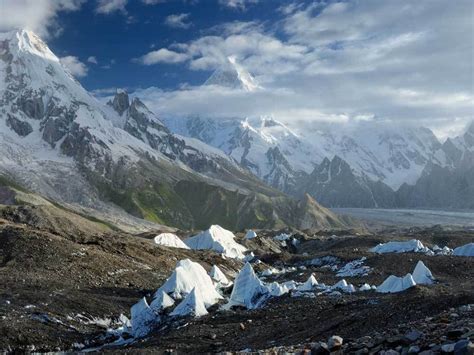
[(282, 155), (58, 140), (449, 185), (324, 159), (460, 150), (232, 75)]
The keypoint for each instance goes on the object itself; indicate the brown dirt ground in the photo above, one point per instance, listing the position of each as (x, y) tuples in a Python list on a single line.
[(52, 271)]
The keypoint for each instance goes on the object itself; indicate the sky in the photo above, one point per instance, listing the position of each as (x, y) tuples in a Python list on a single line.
[(404, 61)]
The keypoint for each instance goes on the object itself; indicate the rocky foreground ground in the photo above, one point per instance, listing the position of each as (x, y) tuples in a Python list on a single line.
[(65, 279)]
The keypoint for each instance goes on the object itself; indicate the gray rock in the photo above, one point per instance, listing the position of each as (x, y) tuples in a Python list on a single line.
[(320, 349), (55, 129), (455, 333), (32, 105), (120, 102), (335, 342), (413, 335), (463, 347), (7, 196), (396, 340), (447, 348), (22, 128), (391, 352)]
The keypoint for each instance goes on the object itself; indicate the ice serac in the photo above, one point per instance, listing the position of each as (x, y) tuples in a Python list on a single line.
[(218, 276), (192, 305), (394, 284), (250, 234), (161, 302), (275, 289), (218, 239), (465, 250), (232, 75), (187, 276), (309, 284), (422, 275), (127, 167), (365, 287), (143, 319), (248, 289), (170, 240), (413, 245), (343, 286)]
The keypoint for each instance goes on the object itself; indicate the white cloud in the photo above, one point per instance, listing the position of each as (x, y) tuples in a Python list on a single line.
[(153, 2), (178, 21), (109, 6), (405, 61), (74, 65), (236, 27), (258, 51), (40, 16), (92, 60), (237, 4), (106, 93), (162, 55)]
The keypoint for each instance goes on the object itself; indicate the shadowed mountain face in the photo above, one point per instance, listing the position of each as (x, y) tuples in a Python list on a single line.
[(449, 185), (118, 160), (336, 184)]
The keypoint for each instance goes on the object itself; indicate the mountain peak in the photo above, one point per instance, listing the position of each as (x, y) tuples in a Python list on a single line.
[(269, 122), (120, 102), (232, 75), (23, 40)]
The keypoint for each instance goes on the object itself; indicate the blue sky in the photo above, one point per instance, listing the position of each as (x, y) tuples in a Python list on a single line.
[(341, 61), (114, 39)]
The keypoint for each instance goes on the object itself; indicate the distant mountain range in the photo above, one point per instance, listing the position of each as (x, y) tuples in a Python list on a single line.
[(363, 164), (120, 161)]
